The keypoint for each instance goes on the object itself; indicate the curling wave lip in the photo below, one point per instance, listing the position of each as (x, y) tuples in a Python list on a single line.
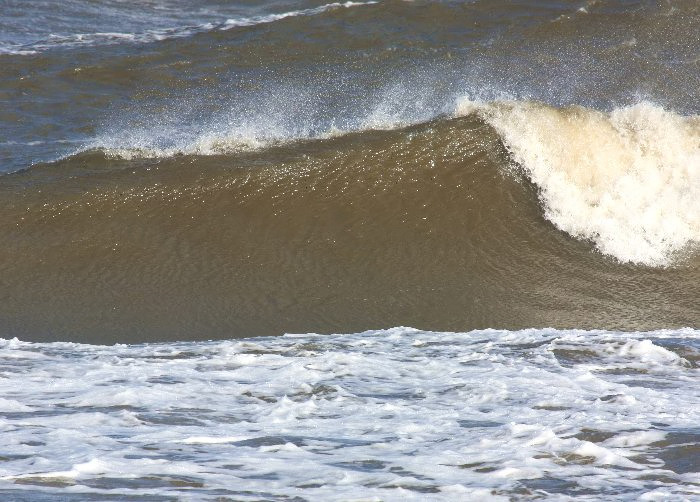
[(628, 180)]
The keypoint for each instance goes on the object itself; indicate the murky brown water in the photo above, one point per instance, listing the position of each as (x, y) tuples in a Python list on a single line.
[(226, 171), (426, 226)]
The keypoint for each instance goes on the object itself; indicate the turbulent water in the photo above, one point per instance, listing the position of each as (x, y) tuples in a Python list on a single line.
[(384, 415), (174, 173)]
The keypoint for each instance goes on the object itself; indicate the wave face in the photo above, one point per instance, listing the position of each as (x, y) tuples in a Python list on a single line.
[(430, 225), (628, 180)]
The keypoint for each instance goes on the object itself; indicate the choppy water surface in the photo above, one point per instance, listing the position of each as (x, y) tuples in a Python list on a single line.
[(380, 415)]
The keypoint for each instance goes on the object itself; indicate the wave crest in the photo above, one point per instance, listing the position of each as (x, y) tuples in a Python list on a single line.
[(628, 180)]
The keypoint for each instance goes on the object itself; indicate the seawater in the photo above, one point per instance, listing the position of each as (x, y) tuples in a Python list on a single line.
[(380, 415), (182, 186)]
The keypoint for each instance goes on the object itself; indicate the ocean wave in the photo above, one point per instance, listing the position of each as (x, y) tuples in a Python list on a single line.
[(111, 38), (628, 180), (427, 225)]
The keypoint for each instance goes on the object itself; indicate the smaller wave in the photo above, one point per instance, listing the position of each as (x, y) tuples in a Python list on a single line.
[(16, 50), (269, 18), (112, 38), (628, 180), (108, 38)]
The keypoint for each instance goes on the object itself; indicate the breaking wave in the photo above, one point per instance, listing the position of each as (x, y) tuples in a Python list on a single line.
[(628, 180), (443, 223)]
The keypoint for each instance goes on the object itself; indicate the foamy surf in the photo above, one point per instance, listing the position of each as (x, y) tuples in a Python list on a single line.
[(392, 415), (628, 180)]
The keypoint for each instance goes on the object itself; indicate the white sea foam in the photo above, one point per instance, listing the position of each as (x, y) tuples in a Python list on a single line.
[(251, 21), (628, 180), (387, 415)]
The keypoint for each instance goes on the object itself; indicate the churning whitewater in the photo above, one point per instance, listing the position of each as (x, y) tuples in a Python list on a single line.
[(381, 415), (628, 180)]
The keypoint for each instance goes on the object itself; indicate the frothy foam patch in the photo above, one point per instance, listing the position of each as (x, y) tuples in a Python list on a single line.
[(164, 143), (628, 180), (207, 145), (383, 415)]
